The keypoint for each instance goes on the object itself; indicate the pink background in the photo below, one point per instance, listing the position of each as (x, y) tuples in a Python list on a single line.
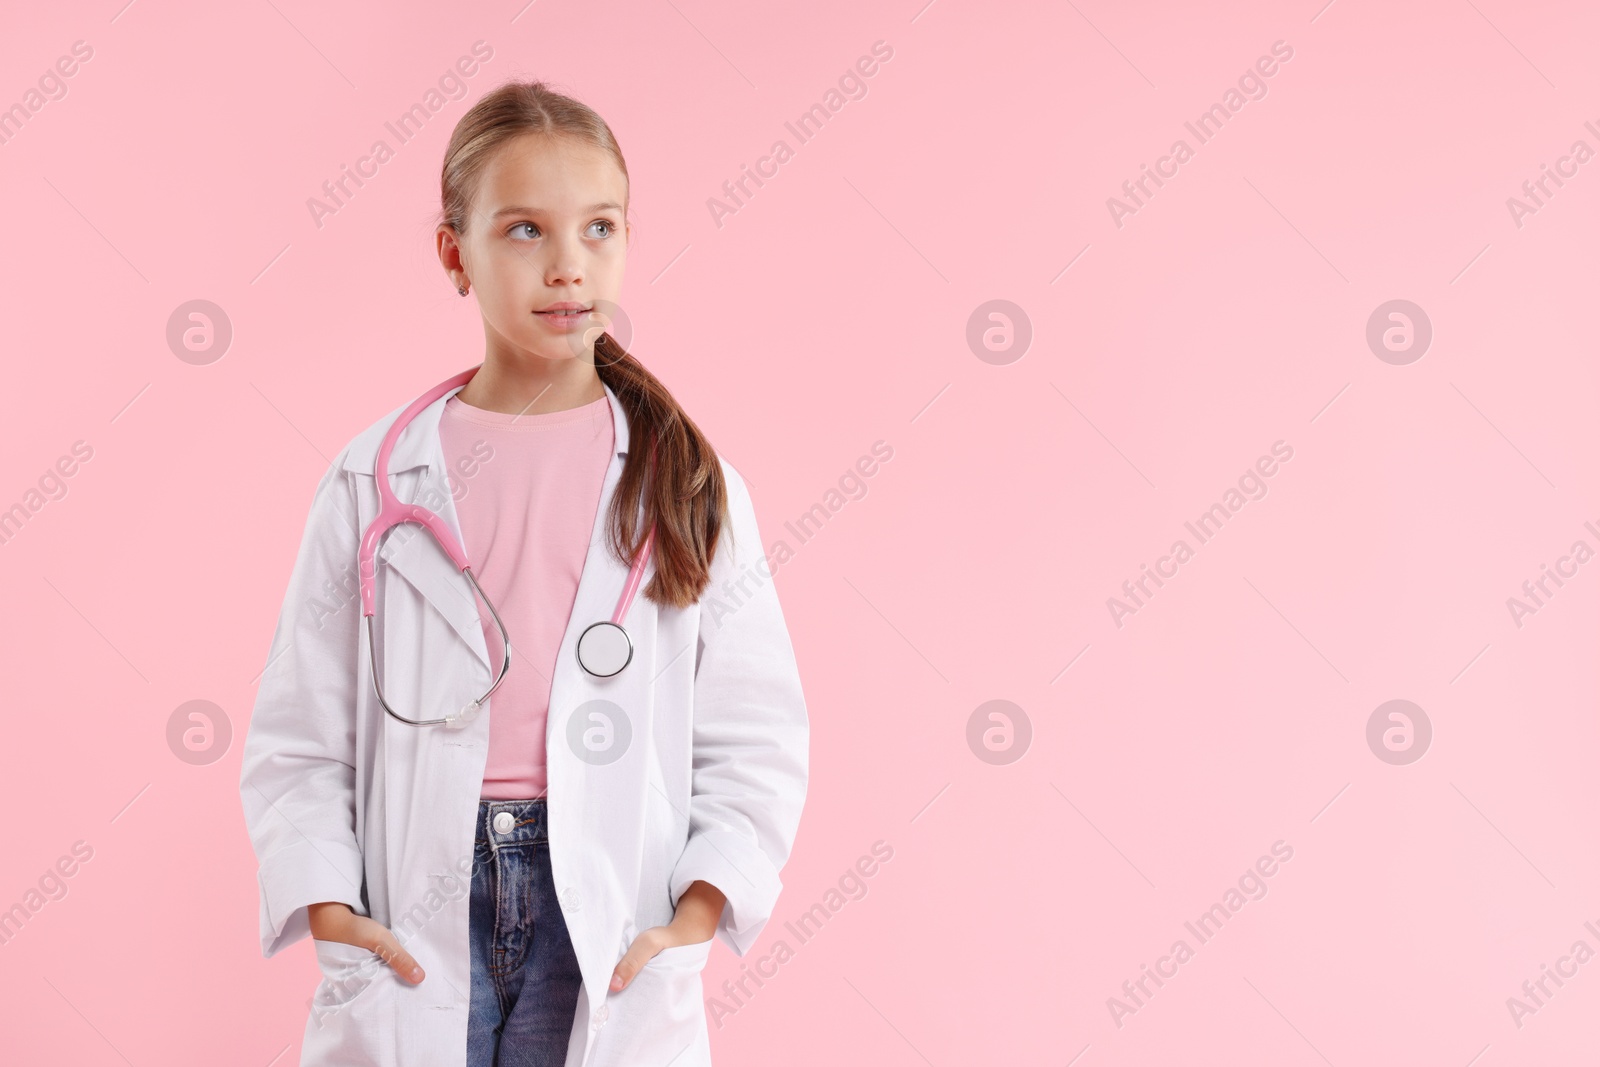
[(831, 312)]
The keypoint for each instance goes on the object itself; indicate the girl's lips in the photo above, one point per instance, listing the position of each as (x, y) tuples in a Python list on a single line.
[(566, 318)]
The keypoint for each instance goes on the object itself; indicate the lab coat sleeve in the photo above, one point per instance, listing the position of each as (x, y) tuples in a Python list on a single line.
[(750, 738), (297, 780)]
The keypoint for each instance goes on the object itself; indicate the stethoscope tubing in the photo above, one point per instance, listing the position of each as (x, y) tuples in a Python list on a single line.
[(392, 513)]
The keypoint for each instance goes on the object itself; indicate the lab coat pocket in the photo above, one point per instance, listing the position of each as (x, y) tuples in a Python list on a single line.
[(346, 971), (659, 1018), (692, 956), (352, 1012)]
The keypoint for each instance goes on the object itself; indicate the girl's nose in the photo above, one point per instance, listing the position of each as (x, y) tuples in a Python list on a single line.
[(565, 266)]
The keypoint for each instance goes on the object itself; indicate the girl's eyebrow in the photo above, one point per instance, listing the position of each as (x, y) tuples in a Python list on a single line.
[(517, 209)]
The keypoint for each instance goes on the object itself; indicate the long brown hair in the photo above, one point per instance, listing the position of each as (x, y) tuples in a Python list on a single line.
[(685, 496)]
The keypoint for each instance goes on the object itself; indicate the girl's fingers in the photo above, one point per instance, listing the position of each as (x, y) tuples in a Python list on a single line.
[(645, 946), (399, 959)]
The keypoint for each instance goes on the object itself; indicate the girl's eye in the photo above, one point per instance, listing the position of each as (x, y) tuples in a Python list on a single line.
[(609, 229)]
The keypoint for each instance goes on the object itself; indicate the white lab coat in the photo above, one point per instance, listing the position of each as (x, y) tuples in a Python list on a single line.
[(343, 803)]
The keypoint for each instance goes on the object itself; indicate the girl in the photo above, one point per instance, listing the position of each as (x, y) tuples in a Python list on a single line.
[(538, 883)]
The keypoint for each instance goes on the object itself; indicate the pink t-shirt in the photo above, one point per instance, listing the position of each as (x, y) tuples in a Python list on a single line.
[(526, 490)]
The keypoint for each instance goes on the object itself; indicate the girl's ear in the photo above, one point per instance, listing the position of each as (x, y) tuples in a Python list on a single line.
[(449, 247)]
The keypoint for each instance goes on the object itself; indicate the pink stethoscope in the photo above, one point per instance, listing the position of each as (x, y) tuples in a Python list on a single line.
[(604, 647)]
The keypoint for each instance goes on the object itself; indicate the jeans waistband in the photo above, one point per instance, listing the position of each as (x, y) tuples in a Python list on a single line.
[(509, 822)]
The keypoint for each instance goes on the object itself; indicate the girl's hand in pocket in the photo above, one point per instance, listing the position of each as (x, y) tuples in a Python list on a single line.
[(695, 920), (334, 921), (650, 942)]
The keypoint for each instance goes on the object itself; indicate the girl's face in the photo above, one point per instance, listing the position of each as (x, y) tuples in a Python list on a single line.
[(546, 232)]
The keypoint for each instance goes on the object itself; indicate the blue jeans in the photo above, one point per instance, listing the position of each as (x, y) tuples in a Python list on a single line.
[(525, 977)]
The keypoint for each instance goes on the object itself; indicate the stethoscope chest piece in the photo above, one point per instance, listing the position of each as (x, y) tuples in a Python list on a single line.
[(604, 649)]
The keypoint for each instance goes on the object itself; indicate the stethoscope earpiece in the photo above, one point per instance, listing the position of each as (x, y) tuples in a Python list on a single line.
[(461, 718)]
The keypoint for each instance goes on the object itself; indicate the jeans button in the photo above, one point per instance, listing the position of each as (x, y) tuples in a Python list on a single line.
[(503, 822)]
